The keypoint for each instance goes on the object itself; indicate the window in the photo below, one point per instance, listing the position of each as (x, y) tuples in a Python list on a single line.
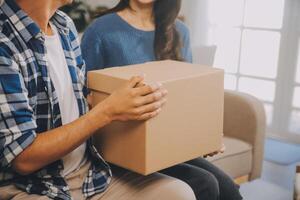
[(269, 113), (227, 54), (255, 46), (226, 13), (259, 53), (298, 65), (230, 81), (294, 122), (294, 126), (264, 13), (296, 98), (262, 89)]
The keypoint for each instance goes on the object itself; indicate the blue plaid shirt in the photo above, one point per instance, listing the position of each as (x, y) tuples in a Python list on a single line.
[(29, 104)]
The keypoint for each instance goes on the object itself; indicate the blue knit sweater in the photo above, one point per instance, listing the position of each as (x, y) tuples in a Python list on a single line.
[(110, 41)]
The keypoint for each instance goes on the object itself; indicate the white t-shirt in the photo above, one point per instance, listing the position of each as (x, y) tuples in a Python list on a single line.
[(61, 78)]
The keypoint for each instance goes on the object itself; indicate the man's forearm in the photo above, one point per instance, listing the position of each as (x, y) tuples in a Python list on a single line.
[(127, 103), (55, 144)]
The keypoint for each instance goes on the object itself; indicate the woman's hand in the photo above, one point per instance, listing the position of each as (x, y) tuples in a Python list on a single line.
[(89, 100), (135, 101), (222, 150)]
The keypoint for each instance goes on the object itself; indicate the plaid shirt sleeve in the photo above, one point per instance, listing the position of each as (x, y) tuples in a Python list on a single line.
[(17, 124), (81, 65)]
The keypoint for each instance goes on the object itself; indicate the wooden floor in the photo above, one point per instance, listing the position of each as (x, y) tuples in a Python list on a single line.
[(241, 180)]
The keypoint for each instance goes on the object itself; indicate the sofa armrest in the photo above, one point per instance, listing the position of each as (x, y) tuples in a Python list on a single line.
[(297, 184), (244, 119)]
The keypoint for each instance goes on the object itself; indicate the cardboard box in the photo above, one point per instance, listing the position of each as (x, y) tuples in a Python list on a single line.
[(189, 126)]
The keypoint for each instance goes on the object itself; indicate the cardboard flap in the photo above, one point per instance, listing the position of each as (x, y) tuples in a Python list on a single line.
[(109, 79), (190, 124), (103, 83)]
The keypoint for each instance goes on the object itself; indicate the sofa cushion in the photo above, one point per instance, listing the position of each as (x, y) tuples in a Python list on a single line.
[(236, 161)]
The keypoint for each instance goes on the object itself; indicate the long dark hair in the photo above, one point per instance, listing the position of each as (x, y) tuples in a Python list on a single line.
[(167, 42)]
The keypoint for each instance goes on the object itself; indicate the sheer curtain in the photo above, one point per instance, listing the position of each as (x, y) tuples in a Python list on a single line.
[(258, 45)]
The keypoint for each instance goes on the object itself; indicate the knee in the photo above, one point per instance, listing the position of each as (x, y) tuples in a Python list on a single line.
[(160, 186), (177, 190), (211, 186)]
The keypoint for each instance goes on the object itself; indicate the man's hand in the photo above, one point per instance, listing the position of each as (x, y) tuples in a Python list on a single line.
[(135, 101), (222, 150)]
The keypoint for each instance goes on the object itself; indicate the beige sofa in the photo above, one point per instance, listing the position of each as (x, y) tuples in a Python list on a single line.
[(244, 130)]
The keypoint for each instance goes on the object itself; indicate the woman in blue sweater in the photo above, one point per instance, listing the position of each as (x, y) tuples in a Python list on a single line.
[(138, 31)]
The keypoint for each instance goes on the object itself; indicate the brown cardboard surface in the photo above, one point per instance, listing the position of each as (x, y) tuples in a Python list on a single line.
[(190, 125)]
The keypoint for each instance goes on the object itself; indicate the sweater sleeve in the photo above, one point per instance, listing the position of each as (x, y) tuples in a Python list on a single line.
[(92, 50), (186, 50)]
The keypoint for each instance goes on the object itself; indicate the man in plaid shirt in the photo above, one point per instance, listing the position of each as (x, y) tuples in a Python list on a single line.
[(33, 136)]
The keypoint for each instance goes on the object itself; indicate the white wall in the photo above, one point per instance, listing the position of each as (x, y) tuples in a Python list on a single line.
[(196, 14)]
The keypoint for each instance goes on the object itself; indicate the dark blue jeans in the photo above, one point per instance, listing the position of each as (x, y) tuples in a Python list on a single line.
[(207, 181)]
